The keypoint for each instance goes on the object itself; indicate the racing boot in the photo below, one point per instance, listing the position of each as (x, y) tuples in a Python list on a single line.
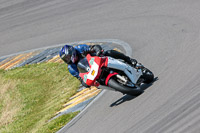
[(139, 66), (132, 62)]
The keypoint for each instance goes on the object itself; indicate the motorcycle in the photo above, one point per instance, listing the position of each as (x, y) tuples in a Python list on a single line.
[(114, 73)]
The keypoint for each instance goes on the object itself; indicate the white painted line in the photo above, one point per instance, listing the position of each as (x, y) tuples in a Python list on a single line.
[(117, 41)]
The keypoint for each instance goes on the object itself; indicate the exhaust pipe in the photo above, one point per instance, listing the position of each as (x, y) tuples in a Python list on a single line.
[(122, 78)]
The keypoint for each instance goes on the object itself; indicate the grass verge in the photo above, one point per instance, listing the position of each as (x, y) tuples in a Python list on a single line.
[(30, 96)]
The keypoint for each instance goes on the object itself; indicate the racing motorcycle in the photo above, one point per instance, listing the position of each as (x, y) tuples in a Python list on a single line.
[(114, 73)]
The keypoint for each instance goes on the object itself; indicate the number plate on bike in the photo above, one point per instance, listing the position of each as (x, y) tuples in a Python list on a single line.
[(93, 72)]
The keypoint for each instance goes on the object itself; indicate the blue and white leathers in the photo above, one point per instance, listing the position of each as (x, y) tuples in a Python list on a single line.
[(80, 49)]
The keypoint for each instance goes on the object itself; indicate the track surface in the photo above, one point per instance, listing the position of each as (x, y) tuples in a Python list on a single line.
[(163, 34)]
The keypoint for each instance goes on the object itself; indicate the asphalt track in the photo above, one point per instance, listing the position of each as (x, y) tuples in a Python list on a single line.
[(163, 35)]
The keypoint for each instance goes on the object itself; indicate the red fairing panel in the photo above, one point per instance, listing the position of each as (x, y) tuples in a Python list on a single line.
[(95, 63), (109, 76)]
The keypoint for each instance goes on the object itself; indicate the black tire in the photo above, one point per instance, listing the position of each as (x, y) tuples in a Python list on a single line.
[(124, 89), (148, 76)]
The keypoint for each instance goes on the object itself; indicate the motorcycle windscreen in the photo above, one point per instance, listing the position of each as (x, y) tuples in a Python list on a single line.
[(83, 66)]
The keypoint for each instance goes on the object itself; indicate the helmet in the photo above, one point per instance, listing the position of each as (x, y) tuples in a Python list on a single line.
[(68, 54)]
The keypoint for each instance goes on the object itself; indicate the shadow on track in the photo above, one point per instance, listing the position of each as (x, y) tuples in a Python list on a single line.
[(122, 99), (129, 97), (145, 86)]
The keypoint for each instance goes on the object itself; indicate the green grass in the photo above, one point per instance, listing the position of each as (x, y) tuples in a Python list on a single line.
[(58, 123), (31, 95)]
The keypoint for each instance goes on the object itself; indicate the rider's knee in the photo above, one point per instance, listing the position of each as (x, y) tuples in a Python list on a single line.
[(109, 52)]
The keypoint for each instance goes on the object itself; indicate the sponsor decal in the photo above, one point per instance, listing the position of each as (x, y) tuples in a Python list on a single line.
[(85, 78), (91, 61)]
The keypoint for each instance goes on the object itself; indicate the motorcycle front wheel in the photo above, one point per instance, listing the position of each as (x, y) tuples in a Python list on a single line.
[(135, 91)]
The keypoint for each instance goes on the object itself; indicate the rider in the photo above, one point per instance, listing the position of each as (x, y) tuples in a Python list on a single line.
[(71, 55)]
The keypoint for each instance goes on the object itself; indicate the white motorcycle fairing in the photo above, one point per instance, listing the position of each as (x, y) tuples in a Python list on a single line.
[(132, 73)]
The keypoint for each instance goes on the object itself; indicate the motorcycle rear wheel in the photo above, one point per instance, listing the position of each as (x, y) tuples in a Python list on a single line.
[(148, 76)]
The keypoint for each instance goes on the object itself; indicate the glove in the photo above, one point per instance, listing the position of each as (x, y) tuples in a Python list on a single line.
[(96, 84), (82, 82), (96, 49)]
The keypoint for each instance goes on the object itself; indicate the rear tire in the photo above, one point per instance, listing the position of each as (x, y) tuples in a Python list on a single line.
[(148, 76), (124, 89)]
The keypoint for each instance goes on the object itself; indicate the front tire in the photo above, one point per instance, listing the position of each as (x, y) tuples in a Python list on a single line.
[(124, 89)]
